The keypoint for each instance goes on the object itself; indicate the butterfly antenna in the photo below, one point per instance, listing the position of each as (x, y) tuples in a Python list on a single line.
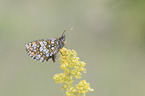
[(65, 30)]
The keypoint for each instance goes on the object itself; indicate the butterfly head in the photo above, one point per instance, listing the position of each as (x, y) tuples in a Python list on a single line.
[(62, 39)]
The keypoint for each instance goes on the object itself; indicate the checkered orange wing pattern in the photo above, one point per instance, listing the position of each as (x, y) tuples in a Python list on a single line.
[(44, 49)]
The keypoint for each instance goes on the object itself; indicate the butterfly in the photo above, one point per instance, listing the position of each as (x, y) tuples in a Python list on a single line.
[(44, 49)]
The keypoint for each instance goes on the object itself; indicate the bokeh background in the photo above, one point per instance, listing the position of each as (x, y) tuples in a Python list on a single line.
[(109, 35)]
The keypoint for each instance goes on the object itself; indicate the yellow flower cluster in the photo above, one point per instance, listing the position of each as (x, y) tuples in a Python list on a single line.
[(83, 87), (72, 68)]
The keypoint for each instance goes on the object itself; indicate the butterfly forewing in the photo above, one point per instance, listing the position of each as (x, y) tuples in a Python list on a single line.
[(44, 49)]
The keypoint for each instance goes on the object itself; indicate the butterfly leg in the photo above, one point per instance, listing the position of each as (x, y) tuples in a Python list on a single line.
[(65, 43), (54, 58)]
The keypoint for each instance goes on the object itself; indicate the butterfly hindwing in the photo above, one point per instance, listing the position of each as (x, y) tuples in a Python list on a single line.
[(44, 49)]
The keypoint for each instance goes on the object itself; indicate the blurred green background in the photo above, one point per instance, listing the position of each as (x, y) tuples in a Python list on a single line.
[(109, 35)]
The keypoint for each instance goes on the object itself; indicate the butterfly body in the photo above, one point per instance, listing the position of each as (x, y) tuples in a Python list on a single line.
[(44, 49)]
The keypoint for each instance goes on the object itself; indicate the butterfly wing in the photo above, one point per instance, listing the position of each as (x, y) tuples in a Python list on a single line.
[(43, 50)]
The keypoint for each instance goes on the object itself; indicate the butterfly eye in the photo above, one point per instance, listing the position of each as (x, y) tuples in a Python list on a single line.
[(63, 39)]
